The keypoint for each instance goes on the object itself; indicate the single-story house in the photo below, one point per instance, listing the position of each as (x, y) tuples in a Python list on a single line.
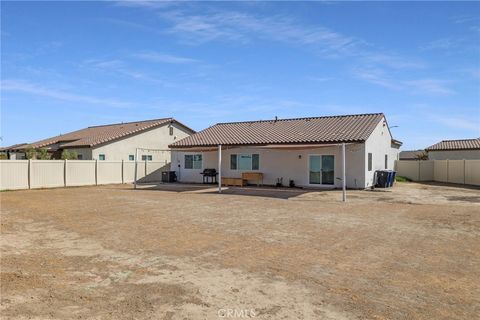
[(306, 151), (412, 155), (464, 149), (114, 141), (14, 152)]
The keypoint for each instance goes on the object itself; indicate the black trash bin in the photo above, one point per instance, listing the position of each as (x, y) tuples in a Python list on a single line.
[(169, 176), (381, 178)]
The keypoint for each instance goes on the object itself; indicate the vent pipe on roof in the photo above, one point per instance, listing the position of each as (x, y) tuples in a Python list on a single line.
[(276, 118)]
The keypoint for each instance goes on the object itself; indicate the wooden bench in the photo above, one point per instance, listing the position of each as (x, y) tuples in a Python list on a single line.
[(255, 176), (239, 182)]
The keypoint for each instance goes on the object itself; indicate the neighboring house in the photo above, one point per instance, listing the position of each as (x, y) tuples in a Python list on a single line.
[(14, 152), (305, 150), (465, 149), (411, 154), (114, 141)]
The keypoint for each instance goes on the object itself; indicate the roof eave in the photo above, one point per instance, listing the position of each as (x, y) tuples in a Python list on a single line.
[(172, 146), (397, 142), (456, 149)]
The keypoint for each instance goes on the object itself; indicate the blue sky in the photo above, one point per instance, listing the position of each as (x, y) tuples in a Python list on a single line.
[(70, 65)]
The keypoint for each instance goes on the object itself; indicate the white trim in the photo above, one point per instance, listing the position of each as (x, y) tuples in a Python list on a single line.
[(344, 174), (193, 154), (219, 168), (321, 185), (251, 162)]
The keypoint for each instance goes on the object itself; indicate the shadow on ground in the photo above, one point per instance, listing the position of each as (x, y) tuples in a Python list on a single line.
[(269, 192)]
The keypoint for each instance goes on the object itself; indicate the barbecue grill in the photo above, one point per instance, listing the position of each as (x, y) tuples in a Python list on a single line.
[(209, 174)]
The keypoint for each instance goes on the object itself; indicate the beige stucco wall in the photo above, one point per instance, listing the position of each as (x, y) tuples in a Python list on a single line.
[(454, 155), (274, 163), (85, 152), (157, 138), (17, 156), (379, 144)]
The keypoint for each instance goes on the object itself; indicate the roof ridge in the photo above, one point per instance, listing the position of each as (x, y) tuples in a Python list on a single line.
[(116, 124), (468, 139), (304, 118)]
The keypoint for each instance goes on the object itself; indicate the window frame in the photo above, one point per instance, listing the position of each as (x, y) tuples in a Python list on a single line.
[(252, 156), (102, 155), (170, 130), (370, 161), (194, 161), (147, 157), (233, 166), (131, 157)]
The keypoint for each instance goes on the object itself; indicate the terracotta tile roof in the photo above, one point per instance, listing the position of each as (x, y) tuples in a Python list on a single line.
[(410, 154), (96, 135), (14, 147), (329, 129), (464, 144)]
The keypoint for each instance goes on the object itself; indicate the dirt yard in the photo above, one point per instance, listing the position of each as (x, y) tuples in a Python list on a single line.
[(185, 252)]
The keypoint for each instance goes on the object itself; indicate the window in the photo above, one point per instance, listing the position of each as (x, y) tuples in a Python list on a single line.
[(386, 161), (147, 157), (244, 161), (101, 157), (131, 157), (79, 156), (193, 161), (233, 162), (171, 130), (369, 162), (255, 161)]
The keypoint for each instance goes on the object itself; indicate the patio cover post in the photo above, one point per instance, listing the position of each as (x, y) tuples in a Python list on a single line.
[(136, 167), (219, 168), (344, 176)]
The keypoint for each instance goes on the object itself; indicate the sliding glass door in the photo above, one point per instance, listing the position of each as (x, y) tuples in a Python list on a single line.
[(321, 169)]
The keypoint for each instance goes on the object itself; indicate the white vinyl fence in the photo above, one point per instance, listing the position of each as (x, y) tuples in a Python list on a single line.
[(29, 174), (451, 171)]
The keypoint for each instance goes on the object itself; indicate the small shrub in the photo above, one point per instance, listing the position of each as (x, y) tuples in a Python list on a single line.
[(30, 153), (402, 179), (421, 156), (69, 155), (42, 154)]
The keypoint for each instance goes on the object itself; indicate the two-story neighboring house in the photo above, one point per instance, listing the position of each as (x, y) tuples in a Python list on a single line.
[(114, 141)]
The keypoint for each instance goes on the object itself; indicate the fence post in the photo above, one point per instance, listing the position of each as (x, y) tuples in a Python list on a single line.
[(448, 178), (96, 172), (123, 180), (29, 173), (65, 173), (419, 165)]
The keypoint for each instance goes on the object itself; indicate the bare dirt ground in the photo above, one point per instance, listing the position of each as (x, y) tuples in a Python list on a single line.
[(181, 252)]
